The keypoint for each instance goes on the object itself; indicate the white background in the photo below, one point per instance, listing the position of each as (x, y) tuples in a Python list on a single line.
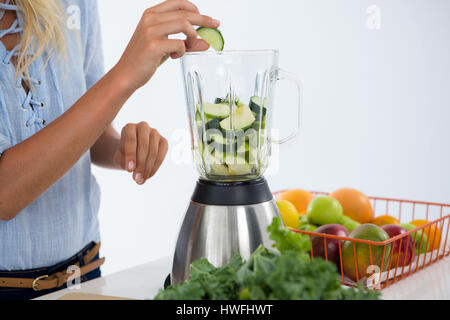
[(376, 108)]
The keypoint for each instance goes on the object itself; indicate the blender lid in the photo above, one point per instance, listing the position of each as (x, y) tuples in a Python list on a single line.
[(232, 193)]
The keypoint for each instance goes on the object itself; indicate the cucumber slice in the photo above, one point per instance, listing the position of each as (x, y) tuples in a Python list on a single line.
[(227, 100), (243, 148), (216, 141), (213, 124), (198, 119), (242, 119), (240, 169), (240, 104), (252, 156), (216, 165), (214, 110), (236, 98), (232, 160), (221, 101), (218, 138), (257, 125), (258, 107), (219, 170), (212, 36)]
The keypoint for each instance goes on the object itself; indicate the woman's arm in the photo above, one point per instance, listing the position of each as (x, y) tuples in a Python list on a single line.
[(104, 149), (31, 167), (28, 169)]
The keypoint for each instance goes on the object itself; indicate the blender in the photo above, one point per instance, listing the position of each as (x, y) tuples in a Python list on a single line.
[(229, 98)]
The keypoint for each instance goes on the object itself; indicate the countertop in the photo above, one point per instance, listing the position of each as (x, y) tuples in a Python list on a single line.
[(144, 281)]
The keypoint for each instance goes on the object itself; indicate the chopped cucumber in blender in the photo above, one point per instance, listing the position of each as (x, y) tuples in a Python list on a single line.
[(241, 119), (227, 100), (243, 148), (216, 165), (252, 156), (219, 138), (198, 119), (213, 124), (214, 110), (221, 101), (258, 125), (232, 138), (258, 107), (240, 104), (219, 170), (240, 169), (212, 36)]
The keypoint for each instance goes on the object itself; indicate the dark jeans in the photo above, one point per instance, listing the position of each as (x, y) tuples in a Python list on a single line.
[(27, 294)]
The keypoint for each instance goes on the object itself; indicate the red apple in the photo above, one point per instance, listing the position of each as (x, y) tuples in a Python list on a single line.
[(403, 249), (332, 244)]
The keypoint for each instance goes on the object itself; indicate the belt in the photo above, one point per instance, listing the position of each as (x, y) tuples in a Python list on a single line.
[(58, 279)]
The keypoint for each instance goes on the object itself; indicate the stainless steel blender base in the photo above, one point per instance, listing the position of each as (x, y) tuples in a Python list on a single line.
[(217, 232)]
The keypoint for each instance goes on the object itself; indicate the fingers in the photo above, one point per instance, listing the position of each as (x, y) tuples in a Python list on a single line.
[(119, 159), (193, 18), (199, 45), (142, 151), (162, 152), (153, 151), (128, 145), (177, 48), (143, 142), (157, 151), (180, 25), (150, 45), (173, 48), (171, 5)]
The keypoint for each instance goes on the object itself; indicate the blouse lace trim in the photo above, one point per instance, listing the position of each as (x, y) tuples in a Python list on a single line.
[(30, 103)]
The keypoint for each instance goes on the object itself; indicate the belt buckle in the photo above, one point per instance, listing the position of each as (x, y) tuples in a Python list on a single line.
[(35, 282)]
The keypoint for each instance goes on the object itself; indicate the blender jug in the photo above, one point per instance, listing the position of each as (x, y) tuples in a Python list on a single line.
[(230, 98), (230, 105)]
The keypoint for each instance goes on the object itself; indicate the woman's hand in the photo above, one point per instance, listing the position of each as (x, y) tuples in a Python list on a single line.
[(150, 45), (142, 150)]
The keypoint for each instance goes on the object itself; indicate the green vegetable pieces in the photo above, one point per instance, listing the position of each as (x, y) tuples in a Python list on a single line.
[(287, 273)]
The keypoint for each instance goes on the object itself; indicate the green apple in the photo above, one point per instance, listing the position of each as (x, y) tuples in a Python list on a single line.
[(349, 223), (324, 210), (307, 227), (408, 227)]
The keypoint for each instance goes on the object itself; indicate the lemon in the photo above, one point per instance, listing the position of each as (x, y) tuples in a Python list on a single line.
[(289, 214)]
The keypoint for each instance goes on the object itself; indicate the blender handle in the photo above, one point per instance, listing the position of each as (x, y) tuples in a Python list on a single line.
[(284, 75)]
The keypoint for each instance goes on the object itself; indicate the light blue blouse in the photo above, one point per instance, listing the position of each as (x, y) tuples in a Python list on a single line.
[(65, 218)]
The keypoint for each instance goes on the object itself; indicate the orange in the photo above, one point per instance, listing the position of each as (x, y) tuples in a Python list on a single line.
[(356, 204), (299, 198), (433, 233), (383, 220)]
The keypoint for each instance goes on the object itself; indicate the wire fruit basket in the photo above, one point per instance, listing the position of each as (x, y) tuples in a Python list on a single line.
[(379, 264)]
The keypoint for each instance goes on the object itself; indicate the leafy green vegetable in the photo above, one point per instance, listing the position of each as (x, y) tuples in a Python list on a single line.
[(286, 274), (286, 240), (206, 282)]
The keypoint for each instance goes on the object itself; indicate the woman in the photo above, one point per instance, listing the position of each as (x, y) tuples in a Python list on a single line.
[(56, 109)]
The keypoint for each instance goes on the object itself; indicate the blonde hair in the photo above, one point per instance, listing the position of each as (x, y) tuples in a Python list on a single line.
[(43, 30)]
